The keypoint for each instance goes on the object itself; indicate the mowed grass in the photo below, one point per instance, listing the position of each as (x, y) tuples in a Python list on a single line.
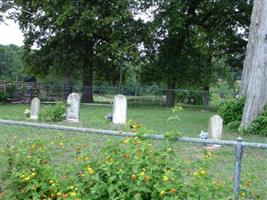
[(154, 118)]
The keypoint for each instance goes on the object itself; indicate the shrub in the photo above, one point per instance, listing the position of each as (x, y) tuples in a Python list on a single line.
[(193, 97), (133, 168), (3, 96), (54, 113), (231, 110), (259, 125)]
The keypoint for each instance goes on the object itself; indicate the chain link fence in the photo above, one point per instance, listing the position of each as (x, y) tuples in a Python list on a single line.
[(148, 95)]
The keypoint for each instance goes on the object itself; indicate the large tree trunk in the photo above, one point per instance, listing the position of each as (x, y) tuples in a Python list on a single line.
[(68, 83), (170, 94), (87, 91), (250, 52), (255, 71)]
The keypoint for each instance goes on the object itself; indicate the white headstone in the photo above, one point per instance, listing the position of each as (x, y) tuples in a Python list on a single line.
[(73, 109), (35, 107), (215, 127), (119, 114)]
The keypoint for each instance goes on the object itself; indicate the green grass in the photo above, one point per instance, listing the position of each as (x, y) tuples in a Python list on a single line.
[(192, 122)]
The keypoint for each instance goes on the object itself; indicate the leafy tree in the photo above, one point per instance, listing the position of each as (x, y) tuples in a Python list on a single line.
[(11, 65), (186, 36), (79, 39)]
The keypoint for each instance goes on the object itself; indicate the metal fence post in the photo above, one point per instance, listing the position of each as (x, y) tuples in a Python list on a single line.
[(238, 162)]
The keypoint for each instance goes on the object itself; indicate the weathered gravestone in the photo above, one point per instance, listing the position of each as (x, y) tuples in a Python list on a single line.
[(215, 128), (119, 114), (73, 109), (35, 107)]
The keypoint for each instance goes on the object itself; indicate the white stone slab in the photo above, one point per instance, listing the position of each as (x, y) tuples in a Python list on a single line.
[(35, 107), (73, 107), (215, 127), (119, 115)]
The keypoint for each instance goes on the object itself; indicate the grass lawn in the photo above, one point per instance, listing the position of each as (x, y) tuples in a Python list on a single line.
[(254, 166), (193, 120)]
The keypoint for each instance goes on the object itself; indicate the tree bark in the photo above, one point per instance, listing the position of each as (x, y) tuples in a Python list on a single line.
[(250, 50), (67, 88), (206, 96), (256, 80), (170, 94), (87, 90)]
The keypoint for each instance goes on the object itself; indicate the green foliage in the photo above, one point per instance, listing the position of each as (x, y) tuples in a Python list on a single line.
[(234, 125), (194, 97), (174, 120), (3, 96), (132, 168), (220, 92), (259, 125), (11, 63), (231, 110), (54, 113)]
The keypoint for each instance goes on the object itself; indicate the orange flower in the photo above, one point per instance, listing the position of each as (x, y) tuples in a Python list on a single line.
[(133, 177), (146, 178), (172, 190)]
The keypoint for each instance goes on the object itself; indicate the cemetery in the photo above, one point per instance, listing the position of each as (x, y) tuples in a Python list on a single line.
[(142, 100)]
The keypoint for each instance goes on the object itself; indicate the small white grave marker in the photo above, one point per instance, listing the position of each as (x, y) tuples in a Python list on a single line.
[(35, 107), (119, 109), (215, 129), (73, 109)]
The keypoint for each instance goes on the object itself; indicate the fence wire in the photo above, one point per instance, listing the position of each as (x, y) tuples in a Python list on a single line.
[(136, 95)]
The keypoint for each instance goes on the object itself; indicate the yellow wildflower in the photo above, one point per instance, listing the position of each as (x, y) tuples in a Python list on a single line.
[(162, 193), (195, 174), (126, 141), (165, 178), (33, 173), (203, 172), (73, 194), (90, 170), (142, 173), (27, 178), (59, 194)]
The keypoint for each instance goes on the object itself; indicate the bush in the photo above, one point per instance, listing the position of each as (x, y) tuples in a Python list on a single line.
[(54, 113), (259, 125), (192, 97), (3, 96), (132, 168), (231, 110)]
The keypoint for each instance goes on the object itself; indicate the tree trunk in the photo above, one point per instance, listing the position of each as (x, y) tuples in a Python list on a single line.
[(250, 50), (67, 88), (87, 90), (256, 80), (170, 100), (206, 96)]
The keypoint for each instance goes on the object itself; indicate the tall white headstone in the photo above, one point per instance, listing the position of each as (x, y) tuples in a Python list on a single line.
[(119, 114), (73, 109), (215, 127), (35, 107)]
